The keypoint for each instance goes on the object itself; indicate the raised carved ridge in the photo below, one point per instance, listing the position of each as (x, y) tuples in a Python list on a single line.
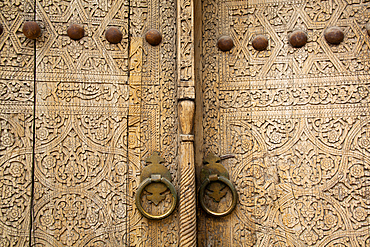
[(187, 207), (295, 118)]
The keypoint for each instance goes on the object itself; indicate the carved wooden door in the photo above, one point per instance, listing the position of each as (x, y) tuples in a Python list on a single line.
[(78, 120), (296, 119)]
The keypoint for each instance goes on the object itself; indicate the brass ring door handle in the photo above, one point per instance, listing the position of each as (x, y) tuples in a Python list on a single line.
[(207, 181), (155, 178)]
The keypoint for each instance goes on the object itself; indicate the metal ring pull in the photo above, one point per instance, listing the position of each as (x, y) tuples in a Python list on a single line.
[(155, 178), (213, 178)]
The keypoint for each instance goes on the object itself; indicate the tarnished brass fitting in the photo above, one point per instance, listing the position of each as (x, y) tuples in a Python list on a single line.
[(31, 30)]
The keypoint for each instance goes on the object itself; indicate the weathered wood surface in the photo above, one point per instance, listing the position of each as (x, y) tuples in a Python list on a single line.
[(187, 202), (297, 121), (79, 118), (100, 110)]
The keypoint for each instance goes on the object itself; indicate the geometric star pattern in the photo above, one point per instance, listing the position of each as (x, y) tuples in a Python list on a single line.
[(96, 118), (280, 59), (296, 119)]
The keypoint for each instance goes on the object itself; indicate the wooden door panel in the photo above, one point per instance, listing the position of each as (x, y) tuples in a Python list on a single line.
[(82, 115), (296, 119), (102, 109), (154, 100), (98, 112), (16, 114)]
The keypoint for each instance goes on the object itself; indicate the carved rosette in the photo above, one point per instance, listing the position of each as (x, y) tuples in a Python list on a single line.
[(295, 118)]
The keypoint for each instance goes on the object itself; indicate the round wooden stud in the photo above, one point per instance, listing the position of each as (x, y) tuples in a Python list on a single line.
[(31, 30), (225, 43), (334, 35), (298, 39), (75, 31), (113, 35), (153, 37), (368, 28), (1, 29), (260, 42)]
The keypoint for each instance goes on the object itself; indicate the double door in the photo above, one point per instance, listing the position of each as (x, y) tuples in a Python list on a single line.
[(79, 118)]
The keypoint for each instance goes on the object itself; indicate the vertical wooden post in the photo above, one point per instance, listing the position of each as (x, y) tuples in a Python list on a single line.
[(187, 175), (186, 111)]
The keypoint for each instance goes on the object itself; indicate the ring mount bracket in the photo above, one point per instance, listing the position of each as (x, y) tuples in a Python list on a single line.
[(155, 179), (215, 178), (155, 170), (212, 165)]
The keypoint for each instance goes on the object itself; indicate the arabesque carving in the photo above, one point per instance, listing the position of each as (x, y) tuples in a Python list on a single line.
[(296, 120), (90, 125), (86, 114), (16, 123)]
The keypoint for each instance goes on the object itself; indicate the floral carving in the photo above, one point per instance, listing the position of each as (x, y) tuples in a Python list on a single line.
[(244, 237), (360, 214), (313, 95), (320, 11), (364, 140), (16, 91), (289, 220), (357, 171), (242, 139), (14, 195), (295, 118), (305, 166), (71, 217), (72, 163), (49, 126), (7, 139), (332, 131)]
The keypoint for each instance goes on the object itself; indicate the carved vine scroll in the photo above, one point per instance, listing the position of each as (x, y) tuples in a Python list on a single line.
[(296, 119)]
